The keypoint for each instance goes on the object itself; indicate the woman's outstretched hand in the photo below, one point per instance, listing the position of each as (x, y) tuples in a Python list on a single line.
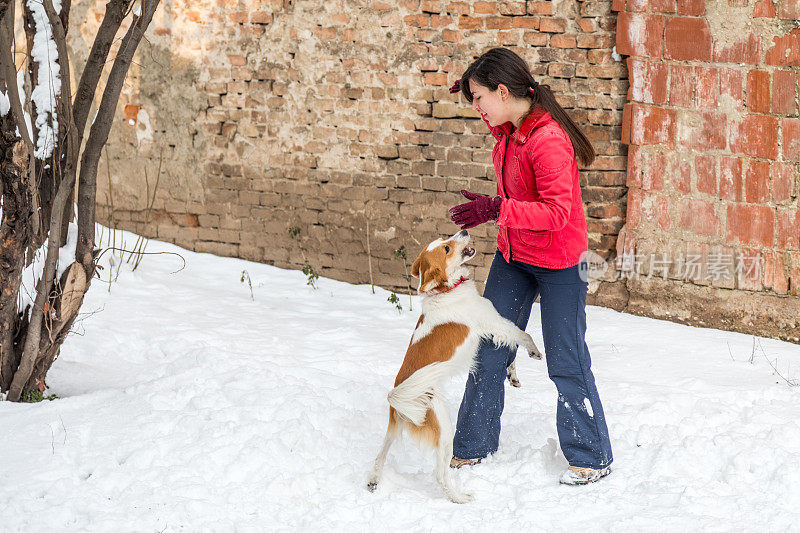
[(478, 210)]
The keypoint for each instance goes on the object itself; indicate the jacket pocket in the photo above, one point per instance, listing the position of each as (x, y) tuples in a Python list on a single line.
[(536, 239), (516, 174)]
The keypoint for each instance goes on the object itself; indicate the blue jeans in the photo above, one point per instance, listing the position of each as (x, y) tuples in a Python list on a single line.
[(512, 288)]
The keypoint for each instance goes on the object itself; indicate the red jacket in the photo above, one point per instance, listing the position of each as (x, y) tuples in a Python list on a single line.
[(541, 219)]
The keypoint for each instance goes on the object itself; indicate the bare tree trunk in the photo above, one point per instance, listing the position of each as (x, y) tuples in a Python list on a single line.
[(15, 236), (87, 184), (28, 346)]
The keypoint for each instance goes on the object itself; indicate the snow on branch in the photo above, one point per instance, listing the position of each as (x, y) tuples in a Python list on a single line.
[(45, 94)]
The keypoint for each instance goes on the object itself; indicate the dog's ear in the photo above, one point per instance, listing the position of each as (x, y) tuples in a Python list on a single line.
[(431, 278), (415, 267)]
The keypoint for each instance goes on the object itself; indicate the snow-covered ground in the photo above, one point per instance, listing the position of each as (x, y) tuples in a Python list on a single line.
[(186, 406)]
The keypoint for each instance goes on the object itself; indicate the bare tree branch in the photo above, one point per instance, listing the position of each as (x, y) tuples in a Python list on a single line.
[(43, 288), (15, 234), (66, 5), (65, 153), (9, 74), (4, 5), (87, 185), (115, 13)]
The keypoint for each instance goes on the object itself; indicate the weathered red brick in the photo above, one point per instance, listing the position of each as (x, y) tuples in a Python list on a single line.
[(648, 81), (749, 267), (687, 39), (681, 177), (435, 78), (784, 91), (776, 276), (648, 125), (430, 6), (758, 100), (681, 86), (596, 40), (238, 17), (782, 182), (325, 34), (663, 6), (691, 7), (747, 49), (730, 179), (756, 183), (787, 230), (791, 139), (418, 20), (499, 23), (487, 8), (537, 8), (441, 21), (534, 38), (655, 209), (654, 167), (705, 168), (764, 8), (469, 23), (756, 136), (698, 216), (563, 41), (752, 225), (459, 8), (261, 17), (789, 9), (507, 7), (587, 25), (703, 131), (731, 86), (551, 25), (634, 213), (634, 167), (237, 60), (639, 35), (785, 50), (526, 23), (794, 273), (706, 87)]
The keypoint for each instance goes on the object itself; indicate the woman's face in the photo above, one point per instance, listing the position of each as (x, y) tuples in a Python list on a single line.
[(488, 103)]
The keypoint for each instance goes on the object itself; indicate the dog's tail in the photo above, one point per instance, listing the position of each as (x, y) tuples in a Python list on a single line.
[(412, 398)]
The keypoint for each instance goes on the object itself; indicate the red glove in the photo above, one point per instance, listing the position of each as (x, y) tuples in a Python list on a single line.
[(479, 210)]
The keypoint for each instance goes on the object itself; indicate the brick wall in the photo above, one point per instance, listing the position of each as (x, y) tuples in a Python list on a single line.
[(331, 118), (714, 134), (323, 116)]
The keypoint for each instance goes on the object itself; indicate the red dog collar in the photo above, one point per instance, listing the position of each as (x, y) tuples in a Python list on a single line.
[(457, 283)]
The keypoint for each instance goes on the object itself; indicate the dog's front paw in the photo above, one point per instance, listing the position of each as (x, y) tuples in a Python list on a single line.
[(533, 351)]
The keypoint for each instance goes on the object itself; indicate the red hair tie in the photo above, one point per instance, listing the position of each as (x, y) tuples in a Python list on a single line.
[(456, 87)]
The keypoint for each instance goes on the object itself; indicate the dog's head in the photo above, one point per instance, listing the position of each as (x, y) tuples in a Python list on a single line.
[(440, 265)]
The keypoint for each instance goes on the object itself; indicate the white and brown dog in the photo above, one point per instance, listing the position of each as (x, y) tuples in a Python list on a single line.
[(454, 320)]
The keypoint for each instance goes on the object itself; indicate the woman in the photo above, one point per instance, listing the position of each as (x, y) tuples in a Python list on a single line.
[(542, 237)]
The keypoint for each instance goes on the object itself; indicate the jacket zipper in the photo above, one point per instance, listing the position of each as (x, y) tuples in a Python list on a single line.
[(503, 177)]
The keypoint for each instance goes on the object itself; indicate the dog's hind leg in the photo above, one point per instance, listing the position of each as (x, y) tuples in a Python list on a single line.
[(444, 452), (511, 374), (391, 434)]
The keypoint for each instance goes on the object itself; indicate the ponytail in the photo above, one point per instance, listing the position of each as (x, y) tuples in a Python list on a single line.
[(543, 97), (500, 65)]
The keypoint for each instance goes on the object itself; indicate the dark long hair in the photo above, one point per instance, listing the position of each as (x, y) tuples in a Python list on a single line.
[(500, 65)]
